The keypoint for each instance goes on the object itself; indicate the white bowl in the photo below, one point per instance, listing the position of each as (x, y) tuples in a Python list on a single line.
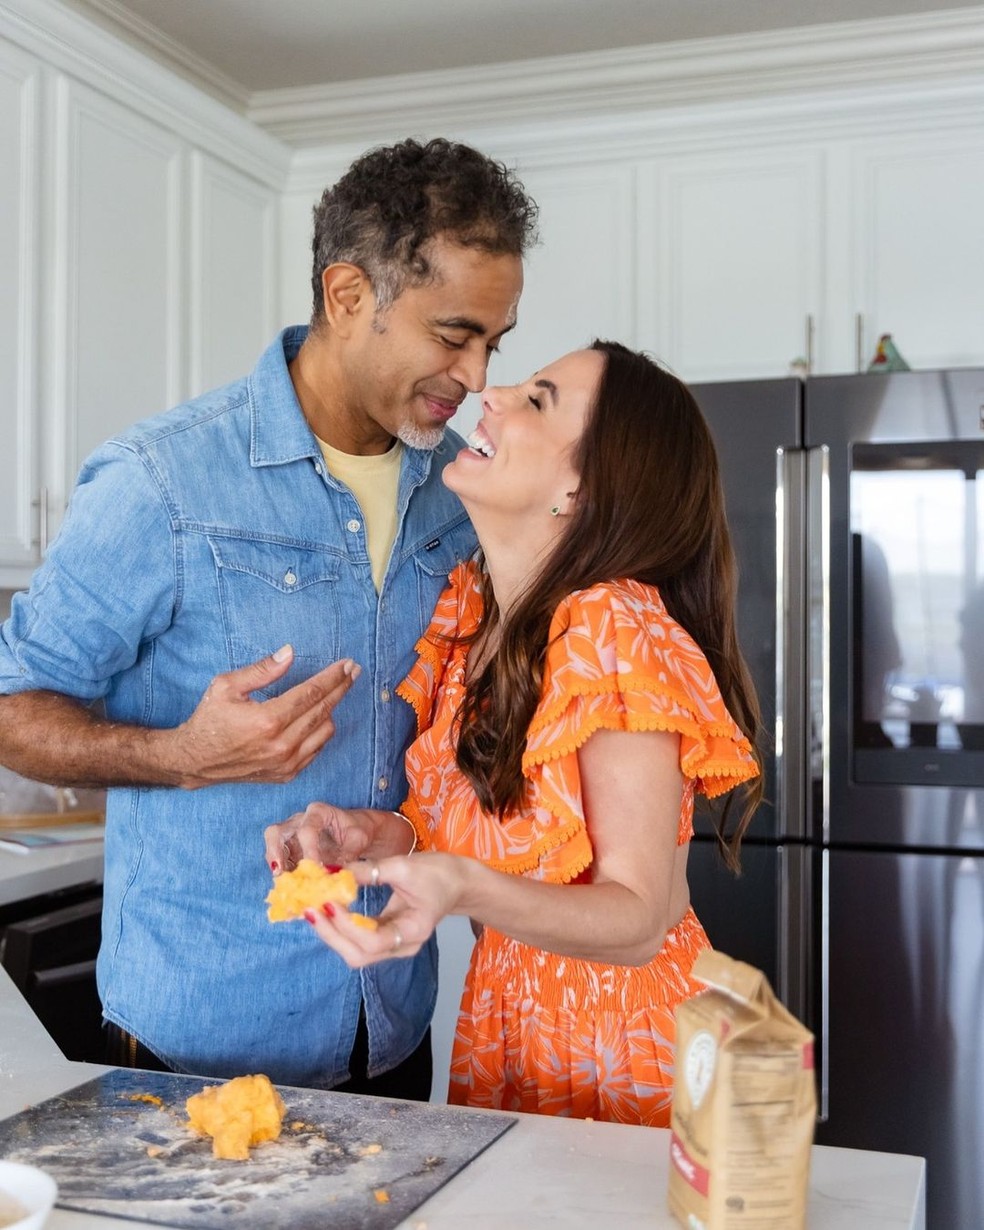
[(32, 1188)]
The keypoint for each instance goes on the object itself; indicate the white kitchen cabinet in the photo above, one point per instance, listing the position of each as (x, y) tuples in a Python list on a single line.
[(916, 244), (751, 260), (233, 276), (143, 270), (20, 88), (116, 282), (731, 257), (579, 281)]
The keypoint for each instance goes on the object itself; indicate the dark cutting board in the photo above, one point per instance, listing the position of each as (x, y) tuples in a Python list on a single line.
[(112, 1152)]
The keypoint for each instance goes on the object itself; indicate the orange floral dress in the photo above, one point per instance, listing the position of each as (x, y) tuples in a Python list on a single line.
[(538, 1032)]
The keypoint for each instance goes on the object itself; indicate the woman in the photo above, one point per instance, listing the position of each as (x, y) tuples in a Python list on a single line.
[(577, 686)]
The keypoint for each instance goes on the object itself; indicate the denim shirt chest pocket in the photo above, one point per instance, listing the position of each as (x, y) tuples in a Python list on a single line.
[(434, 561), (277, 593)]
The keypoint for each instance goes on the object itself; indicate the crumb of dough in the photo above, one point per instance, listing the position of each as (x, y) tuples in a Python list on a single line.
[(152, 1098), (382, 1195), (154, 1150), (370, 1150), (308, 887), (243, 1112)]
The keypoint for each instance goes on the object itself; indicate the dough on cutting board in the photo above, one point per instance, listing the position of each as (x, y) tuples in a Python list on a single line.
[(308, 887), (244, 1111)]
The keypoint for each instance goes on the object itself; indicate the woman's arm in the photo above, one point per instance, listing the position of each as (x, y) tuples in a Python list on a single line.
[(632, 789)]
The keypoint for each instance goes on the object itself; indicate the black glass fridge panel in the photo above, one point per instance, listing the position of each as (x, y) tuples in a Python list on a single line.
[(739, 914), (751, 422), (906, 1020), (902, 523)]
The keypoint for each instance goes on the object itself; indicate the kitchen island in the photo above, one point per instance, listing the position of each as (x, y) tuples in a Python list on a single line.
[(543, 1172)]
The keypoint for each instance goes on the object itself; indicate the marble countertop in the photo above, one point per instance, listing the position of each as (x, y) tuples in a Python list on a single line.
[(46, 871), (543, 1172)]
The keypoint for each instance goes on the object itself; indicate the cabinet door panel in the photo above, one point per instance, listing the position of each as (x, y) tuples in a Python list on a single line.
[(19, 475), (233, 278), (919, 245), (118, 274), (738, 264), (579, 280)]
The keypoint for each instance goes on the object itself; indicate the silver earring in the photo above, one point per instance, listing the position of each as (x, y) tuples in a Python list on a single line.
[(555, 511)]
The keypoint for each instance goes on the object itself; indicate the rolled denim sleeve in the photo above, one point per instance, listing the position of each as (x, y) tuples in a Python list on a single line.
[(107, 586)]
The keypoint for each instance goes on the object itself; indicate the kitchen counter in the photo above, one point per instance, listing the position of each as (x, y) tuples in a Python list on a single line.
[(543, 1172), (47, 871)]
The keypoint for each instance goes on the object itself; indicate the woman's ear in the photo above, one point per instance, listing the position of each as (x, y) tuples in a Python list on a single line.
[(566, 505), (345, 293)]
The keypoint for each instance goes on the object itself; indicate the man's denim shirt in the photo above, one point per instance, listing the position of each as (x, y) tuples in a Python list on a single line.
[(197, 542)]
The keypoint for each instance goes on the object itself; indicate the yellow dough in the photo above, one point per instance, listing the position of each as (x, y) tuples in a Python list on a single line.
[(243, 1112), (308, 887)]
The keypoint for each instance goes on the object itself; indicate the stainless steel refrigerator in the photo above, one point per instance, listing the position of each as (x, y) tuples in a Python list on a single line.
[(857, 508)]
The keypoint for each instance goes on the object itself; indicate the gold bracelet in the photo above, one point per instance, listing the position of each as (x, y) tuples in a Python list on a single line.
[(412, 830)]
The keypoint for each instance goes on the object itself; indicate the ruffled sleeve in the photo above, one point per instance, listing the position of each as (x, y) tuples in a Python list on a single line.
[(617, 661), (457, 613)]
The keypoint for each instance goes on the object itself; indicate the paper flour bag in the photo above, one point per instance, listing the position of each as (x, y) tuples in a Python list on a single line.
[(744, 1105)]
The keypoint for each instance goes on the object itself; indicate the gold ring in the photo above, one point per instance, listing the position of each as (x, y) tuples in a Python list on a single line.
[(374, 875)]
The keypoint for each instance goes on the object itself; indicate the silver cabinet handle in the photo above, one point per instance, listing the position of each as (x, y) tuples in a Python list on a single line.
[(859, 341), (811, 329), (42, 503)]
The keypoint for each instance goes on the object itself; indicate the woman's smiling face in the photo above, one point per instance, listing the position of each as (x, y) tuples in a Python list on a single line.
[(521, 459)]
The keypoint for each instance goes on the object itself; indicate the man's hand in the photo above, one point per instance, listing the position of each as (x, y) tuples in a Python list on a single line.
[(232, 738)]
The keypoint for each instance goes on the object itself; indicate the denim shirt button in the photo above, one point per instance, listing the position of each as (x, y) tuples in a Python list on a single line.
[(383, 783), (290, 578), (385, 696), (353, 525)]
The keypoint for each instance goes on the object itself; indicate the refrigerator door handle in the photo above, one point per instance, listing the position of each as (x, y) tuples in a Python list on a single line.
[(818, 641), (817, 946), (822, 1046), (791, 703), (804, 951)]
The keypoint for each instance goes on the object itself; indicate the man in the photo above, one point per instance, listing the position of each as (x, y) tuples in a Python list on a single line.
[(226, 574)]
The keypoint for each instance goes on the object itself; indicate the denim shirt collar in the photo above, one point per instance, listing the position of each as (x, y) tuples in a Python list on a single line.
[(279, 432)]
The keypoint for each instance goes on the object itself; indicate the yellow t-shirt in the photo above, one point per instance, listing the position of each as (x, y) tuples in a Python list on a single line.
[(374, 481)]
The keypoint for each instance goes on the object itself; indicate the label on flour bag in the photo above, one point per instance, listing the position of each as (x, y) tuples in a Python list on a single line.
[(744, 1105)]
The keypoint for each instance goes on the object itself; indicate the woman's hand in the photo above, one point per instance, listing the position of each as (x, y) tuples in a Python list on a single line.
[(425, 889), (321, 832)]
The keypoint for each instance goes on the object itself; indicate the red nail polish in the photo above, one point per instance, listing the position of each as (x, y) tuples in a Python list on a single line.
[(333, 867), (274, 866), (329, 909), (309, 915)]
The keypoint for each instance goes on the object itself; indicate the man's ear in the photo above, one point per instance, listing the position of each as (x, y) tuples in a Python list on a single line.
[(346, 294)]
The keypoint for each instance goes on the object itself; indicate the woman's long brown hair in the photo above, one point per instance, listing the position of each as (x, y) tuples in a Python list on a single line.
[(649, 507)]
